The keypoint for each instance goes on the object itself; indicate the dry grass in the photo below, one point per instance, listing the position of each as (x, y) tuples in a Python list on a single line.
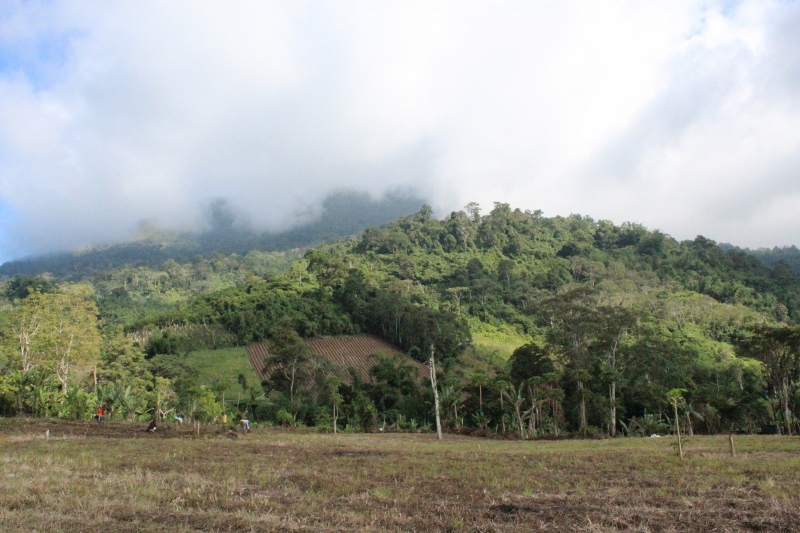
[(93, 479)]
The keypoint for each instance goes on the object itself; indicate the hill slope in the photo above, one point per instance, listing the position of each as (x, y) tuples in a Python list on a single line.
[(603, 321), (342, 214), (772, 257)]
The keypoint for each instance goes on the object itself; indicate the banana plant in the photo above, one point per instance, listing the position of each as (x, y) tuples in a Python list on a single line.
[(515, 396)]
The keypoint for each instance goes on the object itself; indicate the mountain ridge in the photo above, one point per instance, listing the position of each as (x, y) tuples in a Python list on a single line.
[(342, 214)]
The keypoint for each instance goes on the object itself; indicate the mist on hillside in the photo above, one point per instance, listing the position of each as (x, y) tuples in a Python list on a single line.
[(227, 230), (683, 116)]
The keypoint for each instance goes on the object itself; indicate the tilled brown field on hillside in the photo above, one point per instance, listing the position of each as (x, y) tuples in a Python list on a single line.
[(116, 477)]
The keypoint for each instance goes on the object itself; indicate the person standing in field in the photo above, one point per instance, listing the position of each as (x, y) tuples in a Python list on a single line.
[(99, 415)]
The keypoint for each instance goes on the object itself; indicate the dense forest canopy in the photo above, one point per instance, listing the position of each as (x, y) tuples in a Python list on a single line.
[(607, 321), (788, 256)]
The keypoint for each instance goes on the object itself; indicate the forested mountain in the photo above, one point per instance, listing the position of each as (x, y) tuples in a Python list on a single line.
[(341, 215), (608, 321), (789, 256)]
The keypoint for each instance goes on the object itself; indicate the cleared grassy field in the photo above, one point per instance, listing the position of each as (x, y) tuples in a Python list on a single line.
[(503, 347), (116, 477), (223, 366)]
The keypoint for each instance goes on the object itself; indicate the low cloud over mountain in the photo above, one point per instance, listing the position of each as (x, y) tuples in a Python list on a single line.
[(683, 116)]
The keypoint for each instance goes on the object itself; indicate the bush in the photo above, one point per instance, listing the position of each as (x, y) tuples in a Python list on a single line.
[(365, 412), (284, 418)]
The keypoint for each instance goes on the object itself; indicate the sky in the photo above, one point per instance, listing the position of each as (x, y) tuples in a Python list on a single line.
[(683, 115)]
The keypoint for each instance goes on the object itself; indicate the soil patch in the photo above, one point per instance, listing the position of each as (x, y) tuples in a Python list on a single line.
[(359, 453)]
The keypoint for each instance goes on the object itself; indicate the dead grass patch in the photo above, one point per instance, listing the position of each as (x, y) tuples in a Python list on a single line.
[(115, 477)]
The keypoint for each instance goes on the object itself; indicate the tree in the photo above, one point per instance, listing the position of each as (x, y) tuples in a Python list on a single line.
[(288, 354), (165, 398), (394, 388), (123, 363), (473, 209), (74, 337), (516, 397), (20, 287), (333, 383), (613, 328), (573, 318), (24, 332), (675, 397), (205, 406), (460, 227), (590, 334), (778, 348), (242, 380), (480, 380), (533, 367), (364, 412), (530, 360), (55, 330), (434, 387), (451, 403)]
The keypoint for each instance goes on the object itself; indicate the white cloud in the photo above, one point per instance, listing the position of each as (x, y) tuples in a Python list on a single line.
[(681, 115)]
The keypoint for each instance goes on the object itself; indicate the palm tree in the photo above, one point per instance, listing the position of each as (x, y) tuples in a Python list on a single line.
[(452, 401)]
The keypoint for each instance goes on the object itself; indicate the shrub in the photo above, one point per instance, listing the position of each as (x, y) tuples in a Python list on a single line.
[(284, 418)]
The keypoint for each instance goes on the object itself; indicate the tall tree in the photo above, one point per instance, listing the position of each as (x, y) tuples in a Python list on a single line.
[(516, 397), (55, 331), (333, 383), (778, 348), (612, 328), (572, 318), (288, 355), (20, 287), (74, 334), (25, 332), (434, 386), (123, 364)]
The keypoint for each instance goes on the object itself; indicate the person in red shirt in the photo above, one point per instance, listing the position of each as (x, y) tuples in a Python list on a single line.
[(99, 414)]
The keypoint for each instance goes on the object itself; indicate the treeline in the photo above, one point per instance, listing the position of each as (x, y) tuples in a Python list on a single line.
[(619, 316), (58, 362), (777, 257), (128, 294)]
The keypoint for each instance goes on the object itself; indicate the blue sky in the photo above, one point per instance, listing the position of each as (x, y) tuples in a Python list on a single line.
[(38, 60), (683, 115)]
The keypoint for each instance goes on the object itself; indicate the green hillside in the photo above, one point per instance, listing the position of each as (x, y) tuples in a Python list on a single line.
[(539, 325), (788, 256)]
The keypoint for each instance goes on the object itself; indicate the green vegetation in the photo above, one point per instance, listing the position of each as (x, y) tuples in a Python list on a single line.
[(540, 326), (226, 369), (500, 341), (786, 256), (116, 477)]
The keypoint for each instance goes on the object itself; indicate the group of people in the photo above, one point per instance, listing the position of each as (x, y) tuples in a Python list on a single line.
[(244, 423)]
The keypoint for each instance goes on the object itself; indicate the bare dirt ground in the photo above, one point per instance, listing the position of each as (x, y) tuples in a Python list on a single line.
[(113, 477)]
